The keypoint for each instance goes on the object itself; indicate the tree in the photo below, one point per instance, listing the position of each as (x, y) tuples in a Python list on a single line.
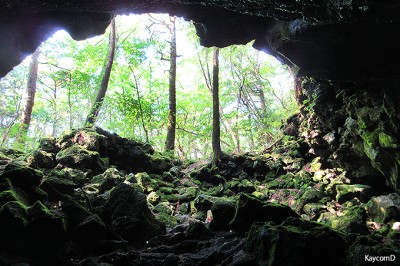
[(216, 133), (170, 142), (94, 112), (30, 97)]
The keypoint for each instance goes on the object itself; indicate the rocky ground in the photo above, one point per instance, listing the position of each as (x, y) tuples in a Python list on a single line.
[(94, 198)]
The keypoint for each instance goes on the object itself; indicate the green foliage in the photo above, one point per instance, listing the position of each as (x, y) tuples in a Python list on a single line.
[(253, 99)]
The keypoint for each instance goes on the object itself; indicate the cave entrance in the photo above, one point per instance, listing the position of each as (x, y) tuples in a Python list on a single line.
[(256, 91)]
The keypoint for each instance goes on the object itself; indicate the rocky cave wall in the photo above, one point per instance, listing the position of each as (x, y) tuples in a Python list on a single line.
[(345, 54)]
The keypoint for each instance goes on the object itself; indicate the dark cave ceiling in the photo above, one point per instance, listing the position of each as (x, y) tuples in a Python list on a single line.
[(340, 39)]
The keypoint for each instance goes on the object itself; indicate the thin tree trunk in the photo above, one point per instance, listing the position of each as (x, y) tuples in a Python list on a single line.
[(140, 107), (94, 112), (216, 134), (170, 142), (30, 97)]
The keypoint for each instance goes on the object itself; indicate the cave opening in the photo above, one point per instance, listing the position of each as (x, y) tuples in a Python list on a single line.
[(327, 192), (256, 90)]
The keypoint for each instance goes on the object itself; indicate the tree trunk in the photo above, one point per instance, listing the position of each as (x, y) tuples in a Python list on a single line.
[(170, 142), (30, 97), (216, 134), (94, 112)]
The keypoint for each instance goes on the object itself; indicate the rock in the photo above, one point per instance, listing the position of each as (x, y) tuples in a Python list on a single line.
[(77, 156), (187, 194), (21, 175), (352, 220), (129, 216), (47, 230), (313, 210), (13, 194), (14, 227), (383, 208), (222, 209), (41, 159), (365, 247), (57, 184), (348, 192), (249, 209), (75, 213), (92, 228), (158, 164), (48, 145), (295, 243), (109, 179)]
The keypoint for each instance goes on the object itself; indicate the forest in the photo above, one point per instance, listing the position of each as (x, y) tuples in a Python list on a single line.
[(165, 142), (154, 57)]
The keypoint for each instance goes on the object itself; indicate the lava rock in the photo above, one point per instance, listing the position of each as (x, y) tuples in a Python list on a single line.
[(348, 192), (249, 209), (21, 175), (295, 243), (130, 217)]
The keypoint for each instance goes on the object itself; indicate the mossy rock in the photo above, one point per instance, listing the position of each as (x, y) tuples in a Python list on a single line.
[(383, 208), (348, 192), (92, 228), (48, 145), (41, 159), (47, 230), (169, 220), (158, 163), (366, 247), (249, 209), (13, 194), (57, 183), (313, 210), (77, 156), (21, 175), (164, 207), (222, 209), (296, 242), (87, 138), (187, 194), (14, 227), (353, 220)]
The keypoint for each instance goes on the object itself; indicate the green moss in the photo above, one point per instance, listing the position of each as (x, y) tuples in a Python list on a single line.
[(386, 141)]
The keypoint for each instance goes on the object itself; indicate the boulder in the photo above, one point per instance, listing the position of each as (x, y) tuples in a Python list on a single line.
[(21, 175), (77, 156), (222, 209), (384, 208), (57, 184), (14, 227), (47, 231), (351, 220), (348, 192), (41, 159), (249, 209), (295, 242), (127, 212)]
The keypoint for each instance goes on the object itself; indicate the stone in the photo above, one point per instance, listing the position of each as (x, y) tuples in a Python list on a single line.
[(222, 209), (348, 192), (249, 209), (14, 227), (127, 212), (41, 159), (383, 208), (57, 184), (47, 230), (21, 175), (313, 210), (48, 145), (295, 243), (77, 156), (352, 220)]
